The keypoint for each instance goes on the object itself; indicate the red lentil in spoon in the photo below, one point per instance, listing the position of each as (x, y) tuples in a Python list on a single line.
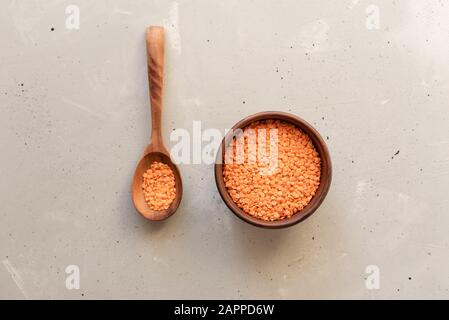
[(159, 186)]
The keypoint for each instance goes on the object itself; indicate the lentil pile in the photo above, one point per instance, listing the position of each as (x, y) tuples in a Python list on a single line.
[(159, 186), (288, 187)]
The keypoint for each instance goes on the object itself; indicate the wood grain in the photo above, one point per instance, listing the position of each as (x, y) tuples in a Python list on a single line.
[(155, 41)]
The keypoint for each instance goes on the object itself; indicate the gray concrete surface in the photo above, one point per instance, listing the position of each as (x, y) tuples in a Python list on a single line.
[(71, 136)]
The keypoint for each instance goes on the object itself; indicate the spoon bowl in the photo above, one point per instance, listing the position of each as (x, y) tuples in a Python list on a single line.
[(137, 192), (156, 150)]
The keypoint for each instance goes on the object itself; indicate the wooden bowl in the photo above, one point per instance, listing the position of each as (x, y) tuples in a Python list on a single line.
[(325, 179)]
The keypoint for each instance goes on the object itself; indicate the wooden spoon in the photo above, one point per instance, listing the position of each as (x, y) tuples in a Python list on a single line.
[(156, 150)]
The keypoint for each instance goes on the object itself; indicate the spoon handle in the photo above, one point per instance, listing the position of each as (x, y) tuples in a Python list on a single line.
[(155, 61)]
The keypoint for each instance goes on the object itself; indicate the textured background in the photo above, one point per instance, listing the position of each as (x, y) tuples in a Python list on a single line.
[(70, 137)]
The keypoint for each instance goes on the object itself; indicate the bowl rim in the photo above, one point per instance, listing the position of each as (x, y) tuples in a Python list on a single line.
[(325, 178)]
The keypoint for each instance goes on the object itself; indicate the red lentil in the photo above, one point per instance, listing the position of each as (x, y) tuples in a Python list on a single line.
[(285, 190), (159, 186)]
